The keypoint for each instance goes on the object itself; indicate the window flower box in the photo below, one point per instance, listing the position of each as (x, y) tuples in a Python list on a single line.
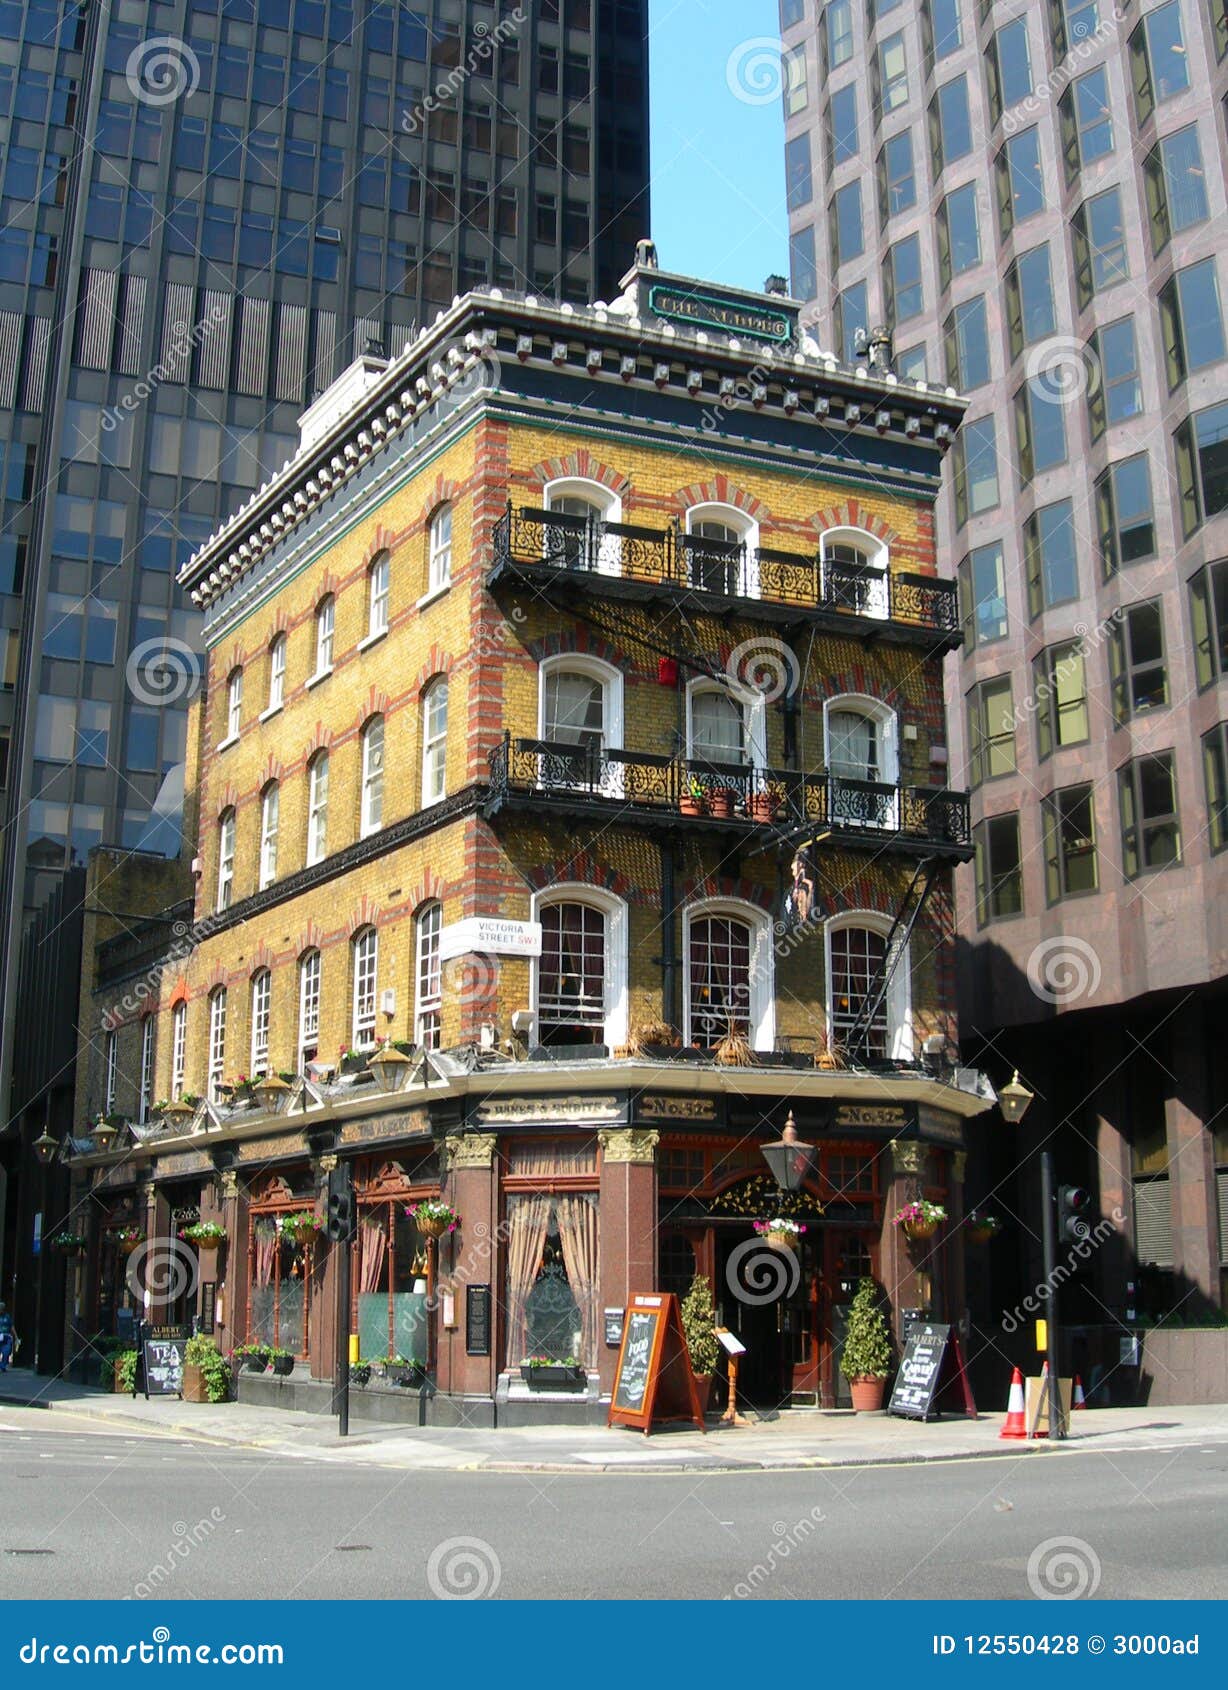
[(542, 1373)]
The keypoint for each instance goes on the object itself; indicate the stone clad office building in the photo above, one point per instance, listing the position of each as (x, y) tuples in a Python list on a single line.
[(573, 723)]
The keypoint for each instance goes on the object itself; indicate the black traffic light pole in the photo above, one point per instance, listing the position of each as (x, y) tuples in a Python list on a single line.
[(340, 1227), (1048, 1203)]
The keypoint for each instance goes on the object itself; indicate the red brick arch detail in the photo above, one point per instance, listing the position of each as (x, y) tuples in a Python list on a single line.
[(274, 769), (428, 890), (858, 679), (853, 514), (382, 540), (227, 799), (366, 915), (375, 704), (311, 938), (437, 663), (262, 957), (708, 886), (281, 624), (320, 740), (583, 466), (444, 492), (583, 870), (179, 993), (859, 894), (217, 976), (237, 659), (328, 586), (578, 642), (720, 491)]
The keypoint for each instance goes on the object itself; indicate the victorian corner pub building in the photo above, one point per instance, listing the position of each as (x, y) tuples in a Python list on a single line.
[(573, 730)]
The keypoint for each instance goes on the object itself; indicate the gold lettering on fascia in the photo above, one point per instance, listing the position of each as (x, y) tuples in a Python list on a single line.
[(871, 1115), (678, 1108), (524, 1110)]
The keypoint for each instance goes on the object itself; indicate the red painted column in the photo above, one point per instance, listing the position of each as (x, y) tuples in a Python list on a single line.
[(232, 1287), (907, 1268), (472, 1255), (628, 1224)]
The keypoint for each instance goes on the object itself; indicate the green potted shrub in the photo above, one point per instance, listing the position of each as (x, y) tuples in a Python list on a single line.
[(253, 1358), (124, 1367), (699, 1328), (282, 1361), (360, 1372), (866, 1358), (206, 1372)]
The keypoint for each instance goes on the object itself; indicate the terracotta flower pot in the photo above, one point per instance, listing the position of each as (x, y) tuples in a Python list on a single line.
[(703, 1390), (720, 802), (762, 808), (692, 807), (867, 1393)]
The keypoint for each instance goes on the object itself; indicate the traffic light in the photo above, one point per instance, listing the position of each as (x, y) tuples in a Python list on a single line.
[(340, 1222), (1073, 1203)]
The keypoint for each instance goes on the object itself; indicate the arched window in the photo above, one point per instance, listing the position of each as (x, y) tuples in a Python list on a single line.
[(580, 541), (729, 974), (580, 991), (262, 993), (378, 581), (439, 550), (862, 750), (435, 740), (270, 827), (308, 1007), (145, 1099), (234, 703), (372, 818), (725, 724), (225, 859), (854, 567), (326, 612), (856, 948), (217, 1042), (179, 1049), (317, 807), (366, 964), (428, 975), (277, 672), (721, 547), (581, 704)]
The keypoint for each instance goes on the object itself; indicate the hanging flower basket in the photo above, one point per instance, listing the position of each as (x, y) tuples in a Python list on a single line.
[(433, 1218), (920, 1219), (67, 1243), (780, 1233), (981, 1228), (127, 1238), (304, 1228), (206, 1235)]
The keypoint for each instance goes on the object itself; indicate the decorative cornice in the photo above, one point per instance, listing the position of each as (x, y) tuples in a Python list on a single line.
[(469, 1150), (629, 1144)]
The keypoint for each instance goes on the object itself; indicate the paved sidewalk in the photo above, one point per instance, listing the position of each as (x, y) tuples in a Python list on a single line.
[(795, 1439)]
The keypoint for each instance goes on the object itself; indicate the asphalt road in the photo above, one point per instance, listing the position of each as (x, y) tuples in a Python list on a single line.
[(91, 1514)]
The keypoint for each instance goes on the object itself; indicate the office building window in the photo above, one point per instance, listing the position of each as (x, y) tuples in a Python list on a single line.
[(891, 74), (378, 582), (966, 339), (959, 236), (950, 124), (1209, 620), (277, 672), (1040, 427), (796, 92), (1098, 238), (1019, 180), (976, 469), (1059, 685), (1215, 776), (1114, 386), (1175, 185), (1159, 64), (234, 703), (838, 33), (1068, 821), (799, 183), (1191, 321), (897, 181), (1029, 300), (110, 1073), (910, 363), (842, 127), (1086, 123), (991, 730), (1136, 661), (1008, 67), (1125, 517), (803, 272), (1049, 557), (902, 286), (317, 808), (982, 591), (844, 222), (1201, 444), (1150, 819), (999, 869), (849, 315)]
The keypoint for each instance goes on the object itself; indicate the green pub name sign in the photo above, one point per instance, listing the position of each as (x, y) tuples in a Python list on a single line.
[(705, 311)]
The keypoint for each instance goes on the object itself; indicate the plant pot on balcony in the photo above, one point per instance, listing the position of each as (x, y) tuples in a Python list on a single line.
[(764, 807), (689, 805), (721, 801)]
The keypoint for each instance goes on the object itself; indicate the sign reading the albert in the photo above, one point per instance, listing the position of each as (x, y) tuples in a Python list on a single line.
[(706, 311), (162, 1350)]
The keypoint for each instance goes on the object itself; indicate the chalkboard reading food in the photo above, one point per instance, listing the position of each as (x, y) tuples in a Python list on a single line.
[(654, 1379), (931, 1375), (162, 1350)]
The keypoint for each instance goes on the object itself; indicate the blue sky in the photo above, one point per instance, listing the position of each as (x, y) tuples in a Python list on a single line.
[(718, 178)]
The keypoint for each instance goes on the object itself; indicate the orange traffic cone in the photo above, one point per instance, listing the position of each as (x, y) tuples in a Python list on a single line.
[(1016, 1425), (1078, 1400)]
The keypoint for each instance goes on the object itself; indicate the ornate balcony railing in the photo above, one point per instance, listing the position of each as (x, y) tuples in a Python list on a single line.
[(722, 570), (650, 786)]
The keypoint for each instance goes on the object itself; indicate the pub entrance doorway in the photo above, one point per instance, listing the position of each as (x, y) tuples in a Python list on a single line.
[(771, 1300)]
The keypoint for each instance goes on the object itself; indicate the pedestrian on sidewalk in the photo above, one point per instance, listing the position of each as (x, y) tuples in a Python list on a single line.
[(8, 1339)]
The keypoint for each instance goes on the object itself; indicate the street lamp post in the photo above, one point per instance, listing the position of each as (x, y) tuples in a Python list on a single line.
[(1014, 1100), (44, 1148)]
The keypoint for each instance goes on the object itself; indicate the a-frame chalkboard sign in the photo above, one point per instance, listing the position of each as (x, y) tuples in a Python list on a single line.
[(932, 1375), (654, 1379)]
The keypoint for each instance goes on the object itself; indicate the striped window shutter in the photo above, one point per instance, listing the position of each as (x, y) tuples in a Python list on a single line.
[(10, 357), (34, 375), (252, 364), (96, 318), (291, 353), (1153, 1222), (176, 355), (1221, 1188), (131, 325), (212, 336)]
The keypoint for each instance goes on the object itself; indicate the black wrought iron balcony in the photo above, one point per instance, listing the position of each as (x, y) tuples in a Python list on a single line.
[(632, 562), (649, 788)]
